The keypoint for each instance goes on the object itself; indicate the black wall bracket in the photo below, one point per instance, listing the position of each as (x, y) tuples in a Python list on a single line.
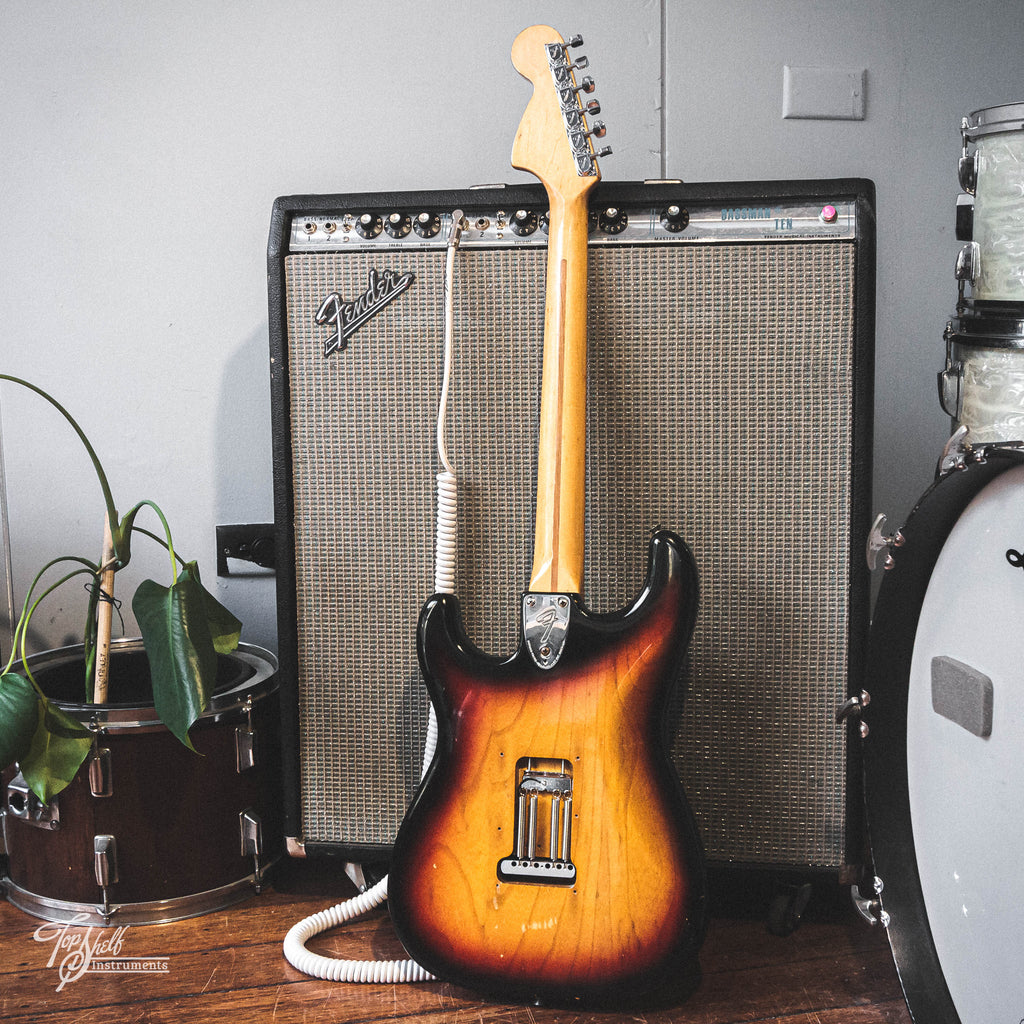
[(252, 542)]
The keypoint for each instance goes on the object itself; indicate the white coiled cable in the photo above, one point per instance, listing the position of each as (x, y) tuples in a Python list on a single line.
[(447, 497), (392, 972), (447, 511), (333, 969)]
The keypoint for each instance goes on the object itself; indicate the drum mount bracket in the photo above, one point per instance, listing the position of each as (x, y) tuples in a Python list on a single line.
[(870, 907), (878, 542), (22, 803), (957, 453), (854, 707)]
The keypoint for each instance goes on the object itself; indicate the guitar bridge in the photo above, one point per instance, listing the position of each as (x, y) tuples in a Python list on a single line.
[(543, 824)]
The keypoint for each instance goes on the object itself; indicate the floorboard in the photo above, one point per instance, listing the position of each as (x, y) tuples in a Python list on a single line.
[(834, 969)]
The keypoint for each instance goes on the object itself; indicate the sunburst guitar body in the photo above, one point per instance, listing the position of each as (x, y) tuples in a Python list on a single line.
[(550, 853)]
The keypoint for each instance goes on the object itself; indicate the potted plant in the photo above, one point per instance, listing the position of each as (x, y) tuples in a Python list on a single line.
[(184, 629)]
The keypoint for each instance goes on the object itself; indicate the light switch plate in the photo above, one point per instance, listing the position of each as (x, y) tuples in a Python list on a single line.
[(826, 94)]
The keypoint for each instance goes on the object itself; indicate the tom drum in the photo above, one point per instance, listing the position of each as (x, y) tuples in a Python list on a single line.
[(148, 831)]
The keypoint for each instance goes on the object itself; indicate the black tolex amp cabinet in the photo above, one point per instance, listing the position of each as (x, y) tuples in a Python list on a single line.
[(730, 399)]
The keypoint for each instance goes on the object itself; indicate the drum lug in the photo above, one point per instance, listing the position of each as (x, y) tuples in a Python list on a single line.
[(951, 389), (879, 542), (23, 804), (250, 829), (870, 907), (101, 780), (246, 754), (967, 167), (968, 261), (245, 749), (104, 851), (951, 379), (967, 268), (967, 170), (854, 707)]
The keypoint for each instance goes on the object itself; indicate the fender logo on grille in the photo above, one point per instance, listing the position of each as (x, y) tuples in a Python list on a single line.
[(346, 317)]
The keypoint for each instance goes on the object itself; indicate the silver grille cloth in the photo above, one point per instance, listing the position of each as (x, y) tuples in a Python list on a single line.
[(721, 390)]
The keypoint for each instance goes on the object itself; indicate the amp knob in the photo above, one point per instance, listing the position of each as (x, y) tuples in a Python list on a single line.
[(398, 225), (612, 220), (674, 218), (368, 225), (426, 225), (524, 222)]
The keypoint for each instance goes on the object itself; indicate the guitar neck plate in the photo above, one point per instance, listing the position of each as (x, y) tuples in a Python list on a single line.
[(545, 625)]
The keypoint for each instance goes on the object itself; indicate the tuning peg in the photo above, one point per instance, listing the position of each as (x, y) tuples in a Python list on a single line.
[(581, 64), (599, 130), (592, 109), (576, 40), (586, 85), (604, 151)]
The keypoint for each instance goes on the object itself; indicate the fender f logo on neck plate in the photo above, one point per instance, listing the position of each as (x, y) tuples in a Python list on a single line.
[(545, 624)]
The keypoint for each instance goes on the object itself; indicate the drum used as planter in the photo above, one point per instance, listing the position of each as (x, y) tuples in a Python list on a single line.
[(149, 831)]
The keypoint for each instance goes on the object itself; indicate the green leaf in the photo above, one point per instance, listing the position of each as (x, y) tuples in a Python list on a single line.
[(182, 658), (59, 746), (225, 629), (18, 717)]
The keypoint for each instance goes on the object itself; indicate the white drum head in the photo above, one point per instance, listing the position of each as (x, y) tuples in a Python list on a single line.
[(944, 758), (965, 755)]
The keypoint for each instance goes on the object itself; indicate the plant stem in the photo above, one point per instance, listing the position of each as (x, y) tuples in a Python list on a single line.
[(160, 540), (30, 606), (100, 475), (128, 526)]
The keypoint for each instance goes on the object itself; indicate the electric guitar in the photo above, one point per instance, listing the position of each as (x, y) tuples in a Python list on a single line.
[(550, 853)]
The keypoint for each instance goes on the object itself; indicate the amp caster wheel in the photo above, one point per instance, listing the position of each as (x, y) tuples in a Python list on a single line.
[(787, 908)]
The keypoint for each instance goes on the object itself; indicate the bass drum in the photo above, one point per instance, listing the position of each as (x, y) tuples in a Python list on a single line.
[(943, 754)]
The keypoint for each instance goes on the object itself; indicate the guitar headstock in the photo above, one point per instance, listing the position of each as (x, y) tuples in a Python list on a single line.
[(554, 141)]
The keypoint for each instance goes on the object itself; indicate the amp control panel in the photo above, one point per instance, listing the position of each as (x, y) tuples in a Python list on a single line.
[(673, 219)]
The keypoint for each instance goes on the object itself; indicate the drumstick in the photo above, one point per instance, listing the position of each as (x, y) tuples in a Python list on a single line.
[(104, 616)]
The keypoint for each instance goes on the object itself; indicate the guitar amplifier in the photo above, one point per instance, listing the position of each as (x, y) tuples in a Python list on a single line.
[(729, 399)]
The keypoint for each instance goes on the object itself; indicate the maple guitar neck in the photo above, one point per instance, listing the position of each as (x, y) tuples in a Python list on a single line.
[(561, 469), (561, 461)]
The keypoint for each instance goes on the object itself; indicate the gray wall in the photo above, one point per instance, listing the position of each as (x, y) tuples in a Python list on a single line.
[(141, 147)]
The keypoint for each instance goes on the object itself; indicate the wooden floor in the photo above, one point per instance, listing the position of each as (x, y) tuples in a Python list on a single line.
[(228, 966)]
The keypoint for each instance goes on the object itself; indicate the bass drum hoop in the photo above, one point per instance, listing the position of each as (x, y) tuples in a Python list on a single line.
[(887, 787)]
